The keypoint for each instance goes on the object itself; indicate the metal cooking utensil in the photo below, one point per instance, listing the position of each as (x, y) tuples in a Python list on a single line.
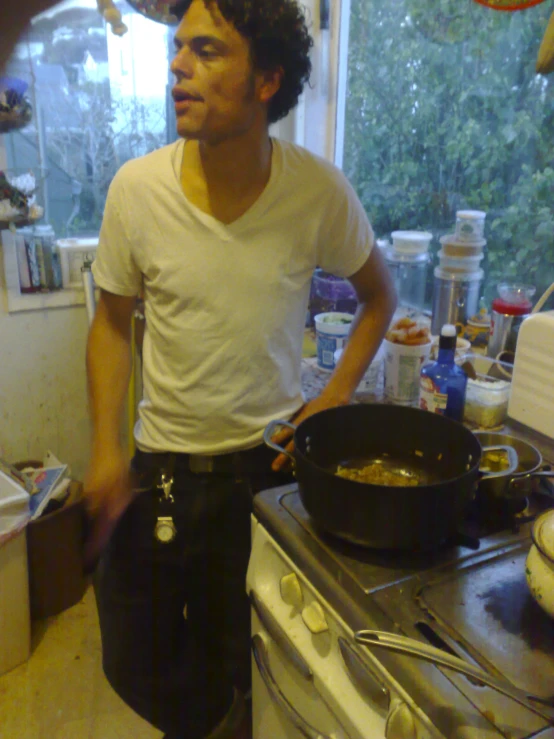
[(438, 657)]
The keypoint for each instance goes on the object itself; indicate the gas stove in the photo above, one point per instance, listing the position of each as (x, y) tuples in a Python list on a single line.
[(469, 597)]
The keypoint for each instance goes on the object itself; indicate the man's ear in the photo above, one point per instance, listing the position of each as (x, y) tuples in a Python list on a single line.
[(269, 83)]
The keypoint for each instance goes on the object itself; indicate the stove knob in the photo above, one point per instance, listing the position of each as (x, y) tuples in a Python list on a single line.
[(400, 722), (291, 592), (314, 618)]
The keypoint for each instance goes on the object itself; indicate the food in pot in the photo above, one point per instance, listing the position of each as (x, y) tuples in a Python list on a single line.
[(496, 461), (378, 474), (409, 332)]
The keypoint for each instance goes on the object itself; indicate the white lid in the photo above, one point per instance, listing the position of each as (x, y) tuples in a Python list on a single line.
[(453, 240), (415, 236), (477, 215), (44, 229), (448, 330), (88, 243), (444, 274)]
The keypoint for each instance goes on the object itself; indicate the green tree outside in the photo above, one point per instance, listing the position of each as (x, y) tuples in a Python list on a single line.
[(444, 112)]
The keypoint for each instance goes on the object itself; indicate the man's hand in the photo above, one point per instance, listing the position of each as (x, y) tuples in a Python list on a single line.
[(107, 493), (316, 405)]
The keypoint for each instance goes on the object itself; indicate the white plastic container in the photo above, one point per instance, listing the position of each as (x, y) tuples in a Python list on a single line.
[(459, 264), (73, 254), (331, 331), (15, 613), (454, 247), (470, 225), (402, 371), (411, 242)]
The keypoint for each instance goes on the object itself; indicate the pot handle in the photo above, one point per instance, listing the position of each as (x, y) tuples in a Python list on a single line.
[(438, 657), (515, 482), (270, 430), (513, 461)]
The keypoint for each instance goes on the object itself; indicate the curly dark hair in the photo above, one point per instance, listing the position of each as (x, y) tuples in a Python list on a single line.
[(278, 36)]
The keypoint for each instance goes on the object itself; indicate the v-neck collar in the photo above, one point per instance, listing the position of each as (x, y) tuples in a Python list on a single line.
[(227, 231)]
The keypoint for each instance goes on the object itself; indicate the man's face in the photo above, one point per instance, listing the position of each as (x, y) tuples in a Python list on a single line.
[(216, 90)]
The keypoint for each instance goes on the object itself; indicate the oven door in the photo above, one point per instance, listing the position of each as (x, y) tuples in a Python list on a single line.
[(285, 704)]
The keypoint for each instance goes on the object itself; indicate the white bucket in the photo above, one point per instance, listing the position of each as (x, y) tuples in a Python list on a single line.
[(331, 331), (403, 365)]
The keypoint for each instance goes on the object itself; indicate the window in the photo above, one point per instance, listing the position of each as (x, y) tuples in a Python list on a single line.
[(98, 100), (444, 111)]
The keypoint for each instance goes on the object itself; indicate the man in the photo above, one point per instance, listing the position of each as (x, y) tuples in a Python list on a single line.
[(222, 231)]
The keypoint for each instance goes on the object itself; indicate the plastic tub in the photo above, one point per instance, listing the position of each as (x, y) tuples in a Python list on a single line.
[(331, 332), (460, 264), (470, 225), (454, 247), (403, 365), (488, 396), (411, 242)]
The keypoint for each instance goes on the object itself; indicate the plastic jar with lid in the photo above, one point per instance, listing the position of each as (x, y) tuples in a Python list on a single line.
[(506, 320), (454, 247), (469, 263), (409, 275), (470, 225)]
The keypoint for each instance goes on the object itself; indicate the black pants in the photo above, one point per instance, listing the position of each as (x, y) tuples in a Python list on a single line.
[(175, 617)]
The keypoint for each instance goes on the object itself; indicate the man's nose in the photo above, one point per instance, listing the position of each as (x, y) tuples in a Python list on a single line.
[(183, 63)]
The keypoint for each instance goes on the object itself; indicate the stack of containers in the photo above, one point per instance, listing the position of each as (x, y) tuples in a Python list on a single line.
[(458, 277)]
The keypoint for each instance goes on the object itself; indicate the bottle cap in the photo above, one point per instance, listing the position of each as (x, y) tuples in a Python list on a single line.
[(448, 337)]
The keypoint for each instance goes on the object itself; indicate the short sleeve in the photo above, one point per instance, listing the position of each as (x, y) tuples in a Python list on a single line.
[(114, 268), (346, 237)]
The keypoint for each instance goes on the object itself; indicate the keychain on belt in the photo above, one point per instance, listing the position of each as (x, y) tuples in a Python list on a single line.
[(165, 530)]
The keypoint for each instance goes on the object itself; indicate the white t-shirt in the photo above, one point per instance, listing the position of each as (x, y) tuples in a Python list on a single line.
[(225, 305)]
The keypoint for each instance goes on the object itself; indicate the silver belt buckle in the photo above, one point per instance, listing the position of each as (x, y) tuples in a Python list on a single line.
[(200, 463)]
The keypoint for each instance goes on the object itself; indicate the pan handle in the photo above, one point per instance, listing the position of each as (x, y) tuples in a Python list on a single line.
[(513, 461), (521, 480), (438, 657), (270, 429)]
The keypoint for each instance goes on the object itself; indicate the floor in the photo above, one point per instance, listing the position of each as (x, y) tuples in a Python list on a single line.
[(61, 691)]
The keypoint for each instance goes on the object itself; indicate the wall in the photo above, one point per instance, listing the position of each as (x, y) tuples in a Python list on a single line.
[(42, 382)]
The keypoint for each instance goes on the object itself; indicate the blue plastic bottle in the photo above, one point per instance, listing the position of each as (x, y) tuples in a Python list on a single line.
[(443, 383)]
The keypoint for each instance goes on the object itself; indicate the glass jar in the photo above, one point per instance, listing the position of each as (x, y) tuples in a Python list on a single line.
[(409, 275)]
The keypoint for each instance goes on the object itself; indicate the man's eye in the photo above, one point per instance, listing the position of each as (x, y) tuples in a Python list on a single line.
[(206, 52)]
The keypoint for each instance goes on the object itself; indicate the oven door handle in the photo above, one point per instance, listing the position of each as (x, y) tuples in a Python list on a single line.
[(259, 650)]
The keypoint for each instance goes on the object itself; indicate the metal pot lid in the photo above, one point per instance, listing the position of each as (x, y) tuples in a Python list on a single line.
[(543, 534)]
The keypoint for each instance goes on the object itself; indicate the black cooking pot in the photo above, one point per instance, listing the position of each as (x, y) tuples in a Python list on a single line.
[(442, 454)]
